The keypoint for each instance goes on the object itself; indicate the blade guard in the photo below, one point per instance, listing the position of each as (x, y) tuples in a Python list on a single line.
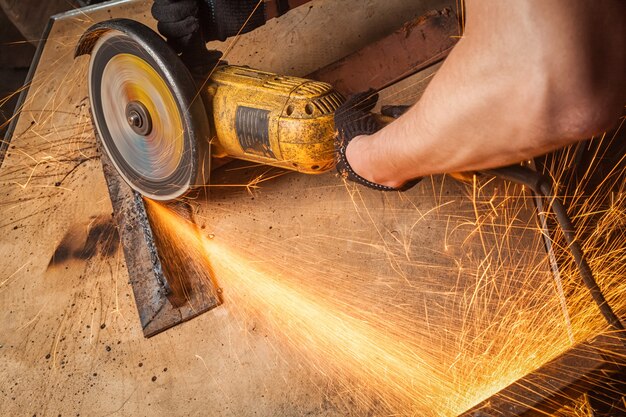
[(178, 78)]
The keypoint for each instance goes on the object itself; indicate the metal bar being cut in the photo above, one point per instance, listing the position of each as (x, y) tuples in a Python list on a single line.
[(168, 289), (418, 44)]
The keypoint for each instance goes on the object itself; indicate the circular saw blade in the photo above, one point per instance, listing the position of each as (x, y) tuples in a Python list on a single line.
[(142, 109)]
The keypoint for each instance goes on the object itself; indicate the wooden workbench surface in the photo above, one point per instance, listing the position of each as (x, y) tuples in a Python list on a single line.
[(428, 271)]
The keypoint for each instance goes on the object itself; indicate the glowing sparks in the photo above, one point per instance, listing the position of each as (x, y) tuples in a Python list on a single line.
[(409, 345)]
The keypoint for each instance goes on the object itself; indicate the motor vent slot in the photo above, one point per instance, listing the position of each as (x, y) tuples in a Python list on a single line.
[(328, 103)]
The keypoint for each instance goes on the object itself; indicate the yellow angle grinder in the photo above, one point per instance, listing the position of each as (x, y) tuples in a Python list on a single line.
[(161, 127)]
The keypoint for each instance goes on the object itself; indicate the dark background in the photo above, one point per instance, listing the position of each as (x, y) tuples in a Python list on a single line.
[(21, 25), (15, 57)]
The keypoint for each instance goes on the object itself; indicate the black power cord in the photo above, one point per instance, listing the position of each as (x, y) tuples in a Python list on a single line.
[(542, 186)]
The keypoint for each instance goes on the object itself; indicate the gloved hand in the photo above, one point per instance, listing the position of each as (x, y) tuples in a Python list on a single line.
[(221, 19), (354, 118), (189, 24), (177, 21)]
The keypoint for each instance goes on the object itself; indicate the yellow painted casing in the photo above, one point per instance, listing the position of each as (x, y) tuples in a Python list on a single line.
[(272, 119)]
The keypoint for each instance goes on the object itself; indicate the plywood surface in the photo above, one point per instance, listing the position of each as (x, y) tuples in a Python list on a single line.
[(332, 293)]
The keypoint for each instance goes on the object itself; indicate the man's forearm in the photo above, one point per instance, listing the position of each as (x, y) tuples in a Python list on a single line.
[(506, 93)]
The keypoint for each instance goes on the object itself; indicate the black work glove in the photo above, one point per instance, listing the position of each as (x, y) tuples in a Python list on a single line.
[(354, 118), (214, 19), (177, 21), (221, 19)]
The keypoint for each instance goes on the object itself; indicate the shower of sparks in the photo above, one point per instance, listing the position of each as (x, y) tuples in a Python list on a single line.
[(406, 326)]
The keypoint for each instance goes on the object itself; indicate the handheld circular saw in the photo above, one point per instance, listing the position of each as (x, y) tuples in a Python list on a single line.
[(161, 127)]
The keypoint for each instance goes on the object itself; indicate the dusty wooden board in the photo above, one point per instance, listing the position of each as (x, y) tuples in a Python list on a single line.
[(71, 343)]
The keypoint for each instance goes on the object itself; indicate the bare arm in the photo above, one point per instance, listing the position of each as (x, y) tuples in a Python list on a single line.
[(528, 77)]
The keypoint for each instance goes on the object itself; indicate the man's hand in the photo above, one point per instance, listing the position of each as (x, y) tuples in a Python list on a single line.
[(527, 77), (186, 23), (353, 119)]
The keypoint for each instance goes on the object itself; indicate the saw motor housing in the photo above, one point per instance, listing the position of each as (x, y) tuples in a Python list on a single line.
[(276, 120)]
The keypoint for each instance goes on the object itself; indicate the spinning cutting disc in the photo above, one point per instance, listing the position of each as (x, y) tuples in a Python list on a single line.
[(147, 115)]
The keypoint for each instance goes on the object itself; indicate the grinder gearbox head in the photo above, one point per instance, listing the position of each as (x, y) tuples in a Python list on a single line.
[(150, 120)]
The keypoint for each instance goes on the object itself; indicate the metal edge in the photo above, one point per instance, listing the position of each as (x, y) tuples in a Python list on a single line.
[(89, 9), (433, 35), (4, 145)]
